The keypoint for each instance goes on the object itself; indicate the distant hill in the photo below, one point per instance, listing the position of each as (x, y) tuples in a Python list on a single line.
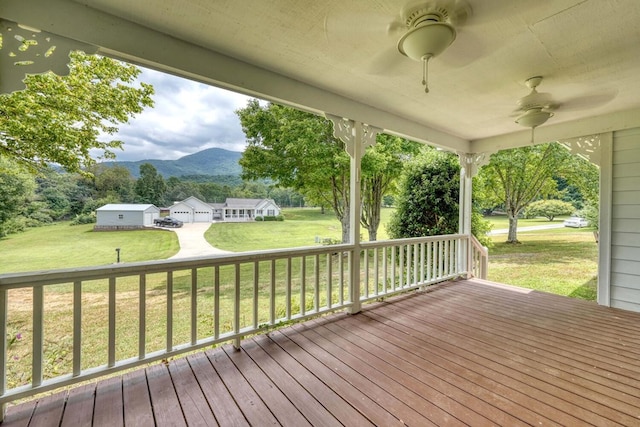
[(212, 161)]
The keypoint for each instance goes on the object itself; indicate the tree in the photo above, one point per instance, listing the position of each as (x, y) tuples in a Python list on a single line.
[(427, 203), (521, 175), (549, 209), (59, 119), (17, 188), (178, 189), (382, 165), (297, 150), (150, 187), (114, 182)]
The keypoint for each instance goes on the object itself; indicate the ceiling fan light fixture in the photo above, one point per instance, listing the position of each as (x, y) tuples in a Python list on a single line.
[(534, 117), (427, 39)]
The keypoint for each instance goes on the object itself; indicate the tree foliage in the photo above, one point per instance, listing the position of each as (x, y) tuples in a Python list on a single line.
[(150, 187), (382, 166), (298, 150), (17, 187), (549, 209), (115, 182), (519, 176), (427, 203), (60, 119)]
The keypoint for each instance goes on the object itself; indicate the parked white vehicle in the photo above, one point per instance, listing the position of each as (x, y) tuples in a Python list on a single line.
[(576, 222)]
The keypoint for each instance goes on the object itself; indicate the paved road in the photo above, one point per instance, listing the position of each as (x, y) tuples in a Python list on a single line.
[(192, 241), (530, 228)]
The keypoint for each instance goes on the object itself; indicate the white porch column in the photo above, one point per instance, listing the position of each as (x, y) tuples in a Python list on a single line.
[(598, 149), (356, 136), (469, 164)]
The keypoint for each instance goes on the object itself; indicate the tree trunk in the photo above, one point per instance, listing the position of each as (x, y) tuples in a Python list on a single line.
[(373, 233), (512, 237), (346, 228)]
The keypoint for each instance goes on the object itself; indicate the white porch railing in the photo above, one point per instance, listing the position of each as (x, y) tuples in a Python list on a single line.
[(132, 314), (479, 259)]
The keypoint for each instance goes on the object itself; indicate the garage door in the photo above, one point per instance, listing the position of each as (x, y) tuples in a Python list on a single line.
[(148, 218), (202, 216), (181, 215)]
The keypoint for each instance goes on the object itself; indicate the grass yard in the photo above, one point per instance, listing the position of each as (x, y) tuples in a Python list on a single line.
[(300, 228), (502, 222), (562, 261), (62, 246)]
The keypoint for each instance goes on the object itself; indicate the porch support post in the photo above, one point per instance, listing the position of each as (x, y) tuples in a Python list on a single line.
[(598, 149), (356, 136), (469, 164), (605, 216)]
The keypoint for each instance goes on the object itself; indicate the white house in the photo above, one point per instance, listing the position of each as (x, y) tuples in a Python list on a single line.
[(244, 209), (191, 209), (116, 216)]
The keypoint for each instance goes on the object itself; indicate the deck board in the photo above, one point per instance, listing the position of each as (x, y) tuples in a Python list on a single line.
[(221, 402), (305, 402), (48, 411), (109, 405), (462, 353), (195, 407), (79, 408), (249, 402), (278, 403), (164, 400), (137, 403)]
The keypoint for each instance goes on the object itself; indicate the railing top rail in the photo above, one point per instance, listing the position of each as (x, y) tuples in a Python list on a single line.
[(476, 244), (412, 240), (68, 275)]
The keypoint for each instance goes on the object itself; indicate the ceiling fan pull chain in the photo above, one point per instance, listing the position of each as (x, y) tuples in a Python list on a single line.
[(425, 72), (532, 130)]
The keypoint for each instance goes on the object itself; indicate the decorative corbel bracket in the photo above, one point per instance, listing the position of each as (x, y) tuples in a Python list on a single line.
[(347, 131), (587, 147), (471, 162), (31, 51)]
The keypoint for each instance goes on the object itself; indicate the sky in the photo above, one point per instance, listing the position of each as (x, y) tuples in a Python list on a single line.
[(187, 117)]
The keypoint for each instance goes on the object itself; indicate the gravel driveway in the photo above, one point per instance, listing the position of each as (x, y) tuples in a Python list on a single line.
[(192, 241)]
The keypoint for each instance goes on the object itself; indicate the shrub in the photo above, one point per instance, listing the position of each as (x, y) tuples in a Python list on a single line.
[(549, 209), (84, 219), (259, 218)]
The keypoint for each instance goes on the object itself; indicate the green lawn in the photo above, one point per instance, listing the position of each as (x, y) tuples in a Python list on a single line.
[(61, 246), (562, 261), (501, 221), (300, 228)]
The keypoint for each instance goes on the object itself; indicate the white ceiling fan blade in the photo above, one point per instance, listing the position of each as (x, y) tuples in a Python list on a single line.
[(585, 102)]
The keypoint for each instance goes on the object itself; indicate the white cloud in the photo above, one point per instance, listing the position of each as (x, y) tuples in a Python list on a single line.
[(187, 117)]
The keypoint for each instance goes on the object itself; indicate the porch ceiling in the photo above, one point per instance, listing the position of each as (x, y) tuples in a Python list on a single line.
[(336, 56)]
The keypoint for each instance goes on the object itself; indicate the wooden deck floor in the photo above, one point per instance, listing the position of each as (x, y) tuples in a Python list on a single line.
[(463, 353)]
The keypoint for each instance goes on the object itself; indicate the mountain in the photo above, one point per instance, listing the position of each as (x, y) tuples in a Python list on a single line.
[(212, 161)]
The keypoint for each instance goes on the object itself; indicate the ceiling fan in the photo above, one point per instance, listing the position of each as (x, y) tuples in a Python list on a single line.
[(422, 30), (535, 108), (430, 30)]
